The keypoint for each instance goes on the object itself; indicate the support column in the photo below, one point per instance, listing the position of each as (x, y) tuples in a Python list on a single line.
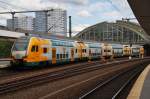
[(13, 20), (70, 28)]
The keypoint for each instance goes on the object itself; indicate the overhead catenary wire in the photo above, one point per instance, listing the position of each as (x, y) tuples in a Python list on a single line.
[(13, 6), (10, 7)]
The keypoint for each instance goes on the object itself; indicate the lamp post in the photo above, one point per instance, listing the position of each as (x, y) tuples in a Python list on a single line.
[(130, 56), (13, 20), (70, 28)]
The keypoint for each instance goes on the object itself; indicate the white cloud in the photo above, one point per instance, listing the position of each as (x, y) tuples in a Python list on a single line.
[(113, 15), (98, 9), (124, 7), (122, 3), (76, 29), (84, 13), (34, 4), (73, 2), (99, 6)]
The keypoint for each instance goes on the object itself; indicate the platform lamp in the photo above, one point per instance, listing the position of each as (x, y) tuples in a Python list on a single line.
[(70, 27), (130, 57)]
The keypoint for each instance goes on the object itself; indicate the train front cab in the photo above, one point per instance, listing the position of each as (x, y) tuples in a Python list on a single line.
[(107, 51), (37, 51), (81, 51), (19, 50), (141, 54), (126, 50), (137, 51)]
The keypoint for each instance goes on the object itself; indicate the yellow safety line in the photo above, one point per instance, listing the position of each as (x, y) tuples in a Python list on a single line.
[(137, 87)]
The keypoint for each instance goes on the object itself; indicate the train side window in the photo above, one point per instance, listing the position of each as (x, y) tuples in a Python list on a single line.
[(44, 50), (76, 51), (57, 56), (33, 49), (37, 48), (60, 56), (82, 50), (64, 55)]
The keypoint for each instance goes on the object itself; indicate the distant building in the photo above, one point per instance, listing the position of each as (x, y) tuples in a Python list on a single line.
[(24, 23), (54, 22), (40, 22), (10, 23), (114, 32)]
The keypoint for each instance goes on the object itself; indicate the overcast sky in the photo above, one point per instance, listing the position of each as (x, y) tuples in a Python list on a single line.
[(84, 12)]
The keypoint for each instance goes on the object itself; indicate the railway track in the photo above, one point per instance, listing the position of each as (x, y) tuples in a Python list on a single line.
[(46, 77), (9, 71), (113, 88), (16, 72)]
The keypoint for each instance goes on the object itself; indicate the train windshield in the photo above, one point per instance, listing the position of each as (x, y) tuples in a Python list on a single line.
[(20, 44)]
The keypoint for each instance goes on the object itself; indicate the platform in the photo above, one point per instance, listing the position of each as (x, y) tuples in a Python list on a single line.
[(141, 88), (4, 64)]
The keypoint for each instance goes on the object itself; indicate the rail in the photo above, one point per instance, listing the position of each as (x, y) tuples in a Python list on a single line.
[(84, 96), (5, 59), (38, 79)]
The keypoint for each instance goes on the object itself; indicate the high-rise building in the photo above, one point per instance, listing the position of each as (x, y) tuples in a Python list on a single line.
[(10, 23), (53, 22), (40, 23), (24, 23)]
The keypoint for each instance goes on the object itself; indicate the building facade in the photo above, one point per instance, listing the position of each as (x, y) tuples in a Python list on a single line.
[(119, 32), (10, 23), (53, 22), (24, 23)]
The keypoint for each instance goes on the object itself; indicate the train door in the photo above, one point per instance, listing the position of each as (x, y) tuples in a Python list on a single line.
[(34, 54), (90, 54), (80, 50), (72, 54), (53, 55)]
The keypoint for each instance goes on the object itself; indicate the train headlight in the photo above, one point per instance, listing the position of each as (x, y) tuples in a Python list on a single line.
[(12, 57), (24, 57)]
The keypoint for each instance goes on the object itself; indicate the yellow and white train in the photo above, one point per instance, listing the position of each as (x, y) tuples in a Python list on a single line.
[(34, 51)]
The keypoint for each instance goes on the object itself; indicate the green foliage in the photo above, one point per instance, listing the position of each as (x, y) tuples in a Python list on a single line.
[(5, 48)]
